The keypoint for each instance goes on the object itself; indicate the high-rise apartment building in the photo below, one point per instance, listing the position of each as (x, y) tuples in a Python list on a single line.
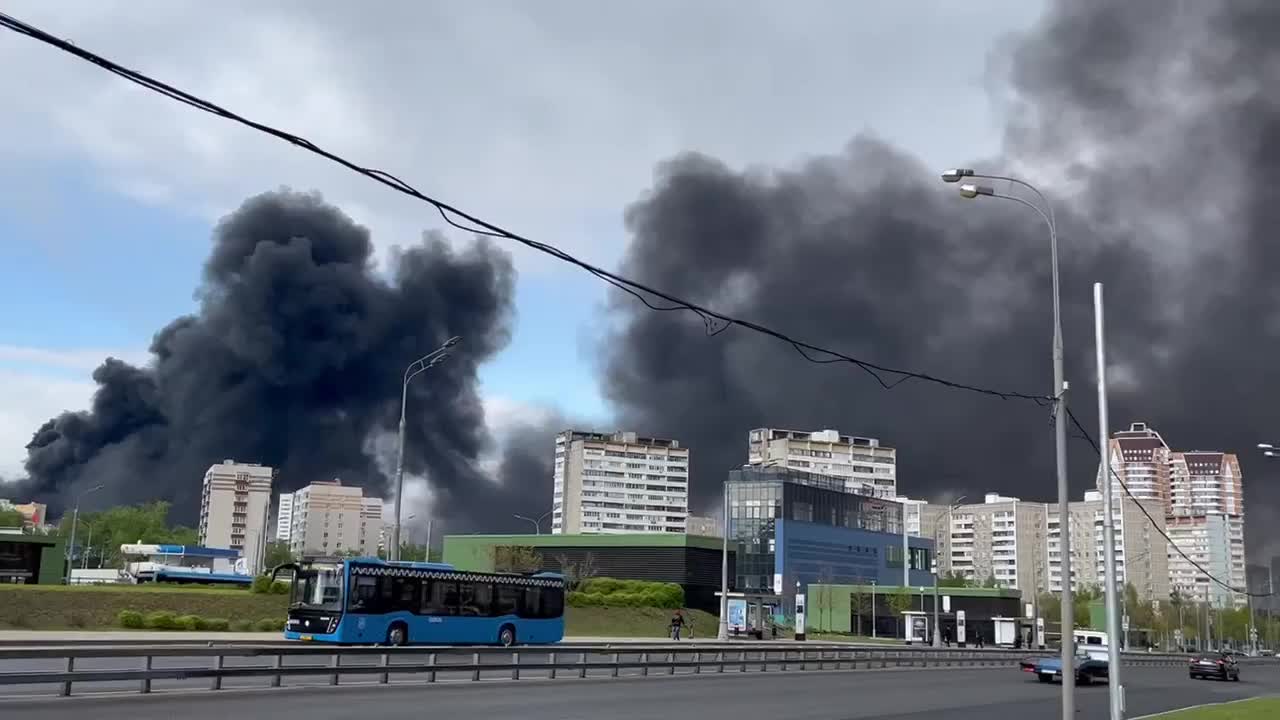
[(619, 483), (1205, 483), (284, 516), (1142, 553), (1200, 494), (329, 518), (860, 461), (1215, 543), (1001, 538), (1139, 457), (235, 503)]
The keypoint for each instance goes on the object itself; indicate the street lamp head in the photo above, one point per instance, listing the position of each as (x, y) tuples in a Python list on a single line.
[(438, 360), (1271, 453), (955, 174), (1266, 446), (970, 191), (452, 341)]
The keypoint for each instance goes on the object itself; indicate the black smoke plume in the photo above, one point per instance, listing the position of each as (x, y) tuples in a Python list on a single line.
[(294, 359), (1155, 128)]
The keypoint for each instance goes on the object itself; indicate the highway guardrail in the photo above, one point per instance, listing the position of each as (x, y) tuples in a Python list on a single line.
[(375, 665)]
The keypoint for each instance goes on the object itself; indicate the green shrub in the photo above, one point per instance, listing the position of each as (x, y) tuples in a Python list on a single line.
[(187, 622), (611, 592), (279, 588), (269, 625), (242, 626), (261, 584), (216, 624), (131, 619), (161, 620)]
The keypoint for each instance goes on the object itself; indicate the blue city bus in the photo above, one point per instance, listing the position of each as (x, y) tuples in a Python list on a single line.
[(371, 601)]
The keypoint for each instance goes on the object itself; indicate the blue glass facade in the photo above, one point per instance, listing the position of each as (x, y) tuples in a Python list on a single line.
[(787, 526)]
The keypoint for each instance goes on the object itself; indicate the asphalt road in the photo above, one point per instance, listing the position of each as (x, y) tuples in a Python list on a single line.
[(953, 694)]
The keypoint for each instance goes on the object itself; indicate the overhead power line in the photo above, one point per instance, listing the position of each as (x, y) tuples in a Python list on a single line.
[(715, 322), (1137, 501)]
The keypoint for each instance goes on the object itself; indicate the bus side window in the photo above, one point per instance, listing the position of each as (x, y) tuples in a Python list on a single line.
[(476, 599), (441, 598), (508, 600), (552, 602), (362, 592), (532, 605)]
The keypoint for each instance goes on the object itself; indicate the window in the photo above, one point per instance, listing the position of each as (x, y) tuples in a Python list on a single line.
[(476, 599), (363, 594), (441, 598), (507, 600)]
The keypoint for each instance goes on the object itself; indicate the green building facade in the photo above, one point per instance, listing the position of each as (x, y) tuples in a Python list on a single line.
[(32, 559), (691, 561)]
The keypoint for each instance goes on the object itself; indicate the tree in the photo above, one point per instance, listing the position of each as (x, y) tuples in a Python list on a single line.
[(516, 559), (899, 601), (277, 554), (108, 529), (823, 601), (989, 582), (577, 572), (860, 605), (954, 579)]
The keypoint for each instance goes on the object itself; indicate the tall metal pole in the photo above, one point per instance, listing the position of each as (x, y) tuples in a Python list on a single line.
[(906, 551), (1116, 690), (723, 633), (394, 552), (88, 545), (1064, 506), (1059, 418), (420, 365), (426, 555), (71, 547)]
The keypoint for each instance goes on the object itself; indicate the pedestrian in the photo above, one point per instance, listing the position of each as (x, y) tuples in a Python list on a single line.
[(677, 624)]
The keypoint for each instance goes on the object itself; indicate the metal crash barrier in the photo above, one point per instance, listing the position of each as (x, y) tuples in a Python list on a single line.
[(100, 669)]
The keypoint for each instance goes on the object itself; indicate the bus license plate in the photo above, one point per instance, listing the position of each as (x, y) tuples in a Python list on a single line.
[(306, 638)]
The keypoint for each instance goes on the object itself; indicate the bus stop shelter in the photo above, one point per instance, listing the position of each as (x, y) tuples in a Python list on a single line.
[(751, 614)]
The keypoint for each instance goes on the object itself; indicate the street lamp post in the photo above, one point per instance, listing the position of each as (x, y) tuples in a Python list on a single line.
[(1059, 415), (937, 629), (88, 546), (75, 520), (537, 522), (422, 364)]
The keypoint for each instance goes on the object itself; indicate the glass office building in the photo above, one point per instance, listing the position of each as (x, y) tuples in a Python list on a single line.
[(790, 526)]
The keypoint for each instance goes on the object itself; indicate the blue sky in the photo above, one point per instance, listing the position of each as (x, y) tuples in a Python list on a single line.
[(107, 194)]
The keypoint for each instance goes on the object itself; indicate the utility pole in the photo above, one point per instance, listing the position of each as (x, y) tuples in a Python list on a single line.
[(1116, 689), (723, 633)]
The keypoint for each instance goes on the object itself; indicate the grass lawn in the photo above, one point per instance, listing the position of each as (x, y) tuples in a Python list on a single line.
[(634, 622), (1255, 709), (97, 607)]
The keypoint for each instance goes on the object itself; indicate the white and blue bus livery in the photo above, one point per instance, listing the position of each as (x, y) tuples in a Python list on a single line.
[(372, 601)]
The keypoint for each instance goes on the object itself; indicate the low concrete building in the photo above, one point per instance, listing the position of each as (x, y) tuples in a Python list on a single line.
[(32, 559)]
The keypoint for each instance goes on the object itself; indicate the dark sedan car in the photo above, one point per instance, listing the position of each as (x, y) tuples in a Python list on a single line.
[(1222, 666)]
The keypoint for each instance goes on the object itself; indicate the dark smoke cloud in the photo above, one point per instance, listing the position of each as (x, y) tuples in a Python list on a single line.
[(1154, 126), (294, 360)]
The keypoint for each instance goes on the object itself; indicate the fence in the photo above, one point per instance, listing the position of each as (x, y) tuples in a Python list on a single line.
[(139, 668)]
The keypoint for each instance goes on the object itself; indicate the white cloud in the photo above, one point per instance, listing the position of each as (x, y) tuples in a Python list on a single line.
[(30, 399)]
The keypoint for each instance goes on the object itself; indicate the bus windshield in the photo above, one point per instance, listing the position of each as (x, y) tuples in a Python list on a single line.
[(318, 587)]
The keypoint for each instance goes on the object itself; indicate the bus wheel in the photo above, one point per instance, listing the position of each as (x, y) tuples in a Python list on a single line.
[(397, 635), (507, 636)]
